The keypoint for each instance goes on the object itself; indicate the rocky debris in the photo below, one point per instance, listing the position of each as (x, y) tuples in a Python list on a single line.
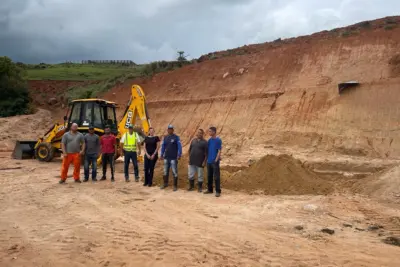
[(299, 227), (310, 207), (391, 240), (374, 227), (241, 71), (225, 75), (328, 231), (360, 229), (52, 101), (251, 162), (347, 225)]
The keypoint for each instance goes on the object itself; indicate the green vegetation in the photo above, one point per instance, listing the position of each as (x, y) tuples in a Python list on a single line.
[(147, 70), (13, 89), (390, 27), (72, 71), (346, 34), (365, 24)]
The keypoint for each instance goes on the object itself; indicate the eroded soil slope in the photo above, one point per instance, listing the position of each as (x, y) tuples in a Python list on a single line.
[(285, 94)]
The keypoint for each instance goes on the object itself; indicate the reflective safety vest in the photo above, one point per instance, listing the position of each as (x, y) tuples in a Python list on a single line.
[(130, 142)]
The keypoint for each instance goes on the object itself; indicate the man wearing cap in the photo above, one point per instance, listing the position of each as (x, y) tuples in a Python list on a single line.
[(92, 147), (171, 152), (108, 144), (130, 146)]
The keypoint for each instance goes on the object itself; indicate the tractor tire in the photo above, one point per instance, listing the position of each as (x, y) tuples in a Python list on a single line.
[(44, 152)]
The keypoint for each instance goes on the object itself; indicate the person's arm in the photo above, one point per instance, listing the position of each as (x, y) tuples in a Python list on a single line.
[(190, 149), (179, 147), (83, 145), (115, 145), (157, 148), (121, 144), (163, 148), (98, 145), (219, 147), (145, 149), (205, 153), (63, 143), (139, 148)]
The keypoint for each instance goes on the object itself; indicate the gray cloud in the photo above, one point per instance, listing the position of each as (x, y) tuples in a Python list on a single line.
[(55, 31)]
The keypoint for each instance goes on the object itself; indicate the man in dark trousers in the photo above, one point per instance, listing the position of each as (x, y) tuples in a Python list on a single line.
[(197, 160), (171, 152), (108, 149), (130, 145), (213, 159), (92, 148)]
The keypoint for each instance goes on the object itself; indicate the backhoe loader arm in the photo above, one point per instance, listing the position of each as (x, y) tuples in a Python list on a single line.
[(136, 108)]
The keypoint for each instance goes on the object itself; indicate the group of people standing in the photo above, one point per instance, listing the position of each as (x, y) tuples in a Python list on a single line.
[(202, 153)]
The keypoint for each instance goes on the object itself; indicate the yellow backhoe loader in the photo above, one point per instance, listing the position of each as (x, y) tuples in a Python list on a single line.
[(85, 112)]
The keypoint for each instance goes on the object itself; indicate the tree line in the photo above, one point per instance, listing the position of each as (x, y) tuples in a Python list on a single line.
[(14, 94)]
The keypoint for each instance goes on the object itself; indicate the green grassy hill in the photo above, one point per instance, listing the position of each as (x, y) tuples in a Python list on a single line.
[(70, 71), (106, 75)]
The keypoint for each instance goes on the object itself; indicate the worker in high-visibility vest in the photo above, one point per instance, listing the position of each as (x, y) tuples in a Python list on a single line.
[(130, 146)]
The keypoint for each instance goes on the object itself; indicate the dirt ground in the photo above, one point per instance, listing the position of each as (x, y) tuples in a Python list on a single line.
[(43, 223)]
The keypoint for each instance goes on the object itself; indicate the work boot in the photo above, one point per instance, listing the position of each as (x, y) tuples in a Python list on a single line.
[(103, 178), (208, 192), (127, 179), (61, 182), (85, 180), (78, 181), (112, 179), (175, 183), (94, 180), (165, 184), (191, 185), (217, 194), (200, 187)]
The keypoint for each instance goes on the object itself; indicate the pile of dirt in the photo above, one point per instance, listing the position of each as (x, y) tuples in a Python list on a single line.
[(384, 185), (24, 127), (271, 175), (275, 175)]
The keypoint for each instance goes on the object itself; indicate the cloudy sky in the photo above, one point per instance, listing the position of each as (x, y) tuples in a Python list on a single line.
[(53, 31)]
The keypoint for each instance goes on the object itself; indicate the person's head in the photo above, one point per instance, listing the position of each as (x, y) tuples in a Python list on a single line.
[(200, 134), (170, 129), (212, 131), (130, 128), (107, 130), (91, 129), (74, 127), (151, 131)]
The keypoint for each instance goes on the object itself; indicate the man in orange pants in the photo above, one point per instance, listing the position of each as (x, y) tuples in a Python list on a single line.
[(73, 146)]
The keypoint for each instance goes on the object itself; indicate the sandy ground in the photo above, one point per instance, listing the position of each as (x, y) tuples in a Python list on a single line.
[(43, 223)]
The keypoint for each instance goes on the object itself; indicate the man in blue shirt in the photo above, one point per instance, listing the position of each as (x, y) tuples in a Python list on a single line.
[(171, 152), (213, 159)]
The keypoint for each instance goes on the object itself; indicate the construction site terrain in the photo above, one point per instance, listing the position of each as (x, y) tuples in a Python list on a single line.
[(310, 176)]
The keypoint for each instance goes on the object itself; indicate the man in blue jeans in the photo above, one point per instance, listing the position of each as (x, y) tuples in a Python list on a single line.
[(130, 145), (213, 159), (171, 152), (92, 148)]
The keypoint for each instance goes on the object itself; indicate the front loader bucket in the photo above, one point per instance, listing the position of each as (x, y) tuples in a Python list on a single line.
[(24, 150)]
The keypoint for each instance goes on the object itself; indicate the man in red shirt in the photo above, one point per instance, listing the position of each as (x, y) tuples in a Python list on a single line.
[(108, 144)]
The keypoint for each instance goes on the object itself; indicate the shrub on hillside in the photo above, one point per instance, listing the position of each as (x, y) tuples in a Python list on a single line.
[(13, 89)]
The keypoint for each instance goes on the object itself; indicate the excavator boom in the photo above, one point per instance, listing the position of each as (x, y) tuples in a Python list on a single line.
[(136, 108)]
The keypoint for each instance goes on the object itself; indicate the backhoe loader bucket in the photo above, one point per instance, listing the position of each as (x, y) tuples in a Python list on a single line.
[(24, 150)]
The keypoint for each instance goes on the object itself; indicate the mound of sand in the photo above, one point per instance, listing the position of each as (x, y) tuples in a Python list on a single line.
[(24, 127), (384, 185), (275, 175)]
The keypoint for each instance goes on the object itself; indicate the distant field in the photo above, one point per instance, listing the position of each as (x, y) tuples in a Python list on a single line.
[(77, 71)]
